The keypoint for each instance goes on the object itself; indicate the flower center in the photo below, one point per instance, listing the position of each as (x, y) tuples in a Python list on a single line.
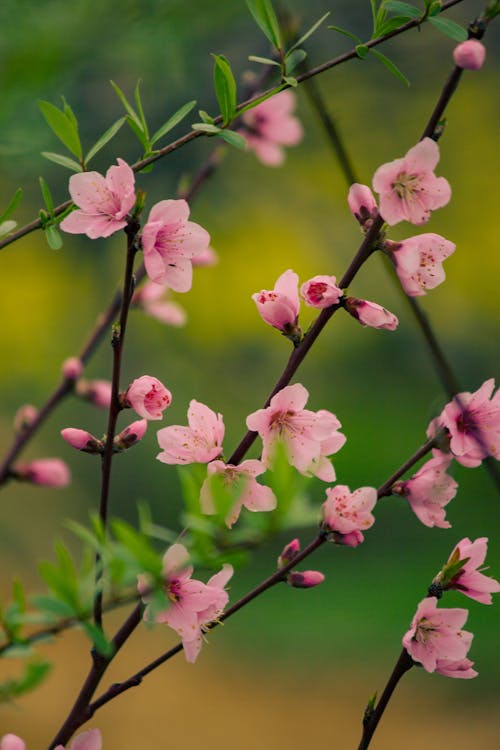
[(405, 185)]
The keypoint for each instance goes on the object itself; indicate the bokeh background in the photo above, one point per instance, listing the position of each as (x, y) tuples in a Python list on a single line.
[(296, 666)]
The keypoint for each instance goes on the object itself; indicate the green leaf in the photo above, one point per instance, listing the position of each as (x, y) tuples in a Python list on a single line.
[(362, 51), (63, 161), (138, 102), (176, 118), (47, 196), (128, 107), (265, 16), (449, 28), (404, 9), (263, 60), (434, 8), (69, 113), (294, 59), (53, 237), (86, 535), (137, 130), (291, 81), (390, 66), (18, 595), (345, 33), (205, 117), (63, 127), (138, 546), (225, 88), (234, 139), (308, 33), (52, 607), (205, 127), (105, 138), (391, 25), (34, 673), (13, 204), (97, 637)]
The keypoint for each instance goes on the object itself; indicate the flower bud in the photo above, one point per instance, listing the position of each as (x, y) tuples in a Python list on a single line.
[(306, 579), (12, 742), (25, 415), (469, 55), (371, 314), (131, 435), (98, 392), (148, 397), (82, 440), (289, 553), (321, 292), (362, 204), (72, 368), (48, 472)]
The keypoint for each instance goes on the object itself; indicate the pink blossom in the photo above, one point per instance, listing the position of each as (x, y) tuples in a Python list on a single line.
[(131, 435), (461, 668), (280, 307), (207, 257), (321, 291), (470, 54), (154, 301), (429, 490), (473, 424), (12, 742), (201, 442), (305, 579), (72, 368), (419, 260), (82, 440), (308, 437), (48, 472), (409, 190), (435, 634), (148, 397), (346, 514), (169, 242), (98, 392), (238, 483), (468, 579), (362, 204), (90, 740), (371, 314), (193, 604), (271, 125), (24, 417), (104, 202)]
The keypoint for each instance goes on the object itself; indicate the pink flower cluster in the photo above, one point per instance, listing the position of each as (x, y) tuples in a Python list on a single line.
[(193, 605), (303, 579), (271, 125)]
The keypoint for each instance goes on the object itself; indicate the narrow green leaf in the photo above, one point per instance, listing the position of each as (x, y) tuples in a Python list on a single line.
[(373, 5), (69, 113), (225, 88), (97, 637), (137, 130), (265, 16), (449, 28), (105, 138), (294, 59), (63, 161), (128, 107), (308, 33), (393, 23), (263, 60), (176, 118), (291, 81), (140, 110), (52, 607), (261, 99), (85, 534), (205, 117), (62, 126), (394, 6), (47, 196), (53, 237), (392, 67), (434, 8), (34, 674), (14, 202), (205, 127), (345, 33), (234, 139), (362, 51)]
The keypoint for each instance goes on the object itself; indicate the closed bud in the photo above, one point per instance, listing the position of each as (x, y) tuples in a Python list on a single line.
[(12, 742), (47, 472), (82, 440), (305, 579), (72, 368), (289, 553), (25, 416), (469, 55), (362, 204), (131, 435), (98, 392)]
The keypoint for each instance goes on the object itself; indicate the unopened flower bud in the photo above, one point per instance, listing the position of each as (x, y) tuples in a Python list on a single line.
[(48, 472), (98, 392), (72, 368), (469, 55), (12, 742), (131, 434), (289, 553), (362, 204), (82, 440), (371, 314), (25, 415), (305, 579)]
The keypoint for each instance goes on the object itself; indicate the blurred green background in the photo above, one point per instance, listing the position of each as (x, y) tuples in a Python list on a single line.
[(295, 666)]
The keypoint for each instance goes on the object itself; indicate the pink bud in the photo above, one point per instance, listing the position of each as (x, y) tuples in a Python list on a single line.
[(98, 392), (469, 55), (12, 742), (148, 396), (82, 440), (48, 472), (72, 368), (362, 204), (306, 579), (289, 553), (131, 434), (371, 314), (25, 416)]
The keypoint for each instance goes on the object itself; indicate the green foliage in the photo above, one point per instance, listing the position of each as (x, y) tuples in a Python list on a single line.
[(449, 28), (13, 204), (64, 125), (225, 88), (392, 67), (265, 16), (234, 139), (307, 34), (104, 139), (63, 161), (403, 9), (34, 674), (174, 120)]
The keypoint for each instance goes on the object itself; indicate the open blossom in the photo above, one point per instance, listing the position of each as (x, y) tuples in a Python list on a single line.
[(271, 125), (201, 442), (240, 483), (148, 397), (321, 291), (280, 306), (193, 604), (468, 579), (429, 490), (419, 262), (154, 301), (436, 634), (473, 424), (169, 242), (103, 202), (470, 54), (371, 314), (90, 740), (347, 514), (48, 472), (408, 188), (308, 436), (98, 392), (362, 204)]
